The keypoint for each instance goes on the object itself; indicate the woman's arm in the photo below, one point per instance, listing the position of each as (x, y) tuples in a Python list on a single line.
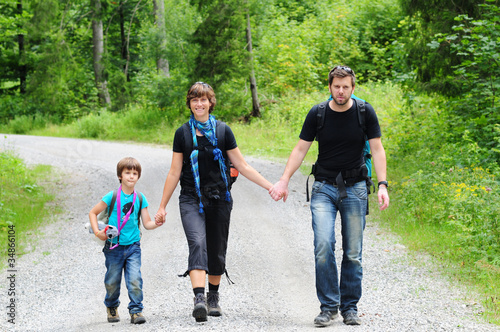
[(246, 170), (173, 177)]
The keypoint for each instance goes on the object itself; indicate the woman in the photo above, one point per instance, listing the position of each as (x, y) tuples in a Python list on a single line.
[(201, 164)]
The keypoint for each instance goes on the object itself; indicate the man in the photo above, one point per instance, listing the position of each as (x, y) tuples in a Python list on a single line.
[(340, 185)]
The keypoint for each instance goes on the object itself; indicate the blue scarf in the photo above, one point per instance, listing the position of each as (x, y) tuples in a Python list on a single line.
[(208, 130)]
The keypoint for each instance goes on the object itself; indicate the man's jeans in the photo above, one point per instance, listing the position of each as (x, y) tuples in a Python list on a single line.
[(325, 203), (128, 259)]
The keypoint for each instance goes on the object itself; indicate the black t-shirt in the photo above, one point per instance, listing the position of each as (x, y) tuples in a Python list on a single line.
[(341, 140), (210, 175)]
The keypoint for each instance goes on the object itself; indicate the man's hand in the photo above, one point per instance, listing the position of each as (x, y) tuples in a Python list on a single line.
[(279, 190), (383, 198)]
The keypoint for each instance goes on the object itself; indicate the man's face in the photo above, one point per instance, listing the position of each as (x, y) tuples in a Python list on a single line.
[(341, 90)]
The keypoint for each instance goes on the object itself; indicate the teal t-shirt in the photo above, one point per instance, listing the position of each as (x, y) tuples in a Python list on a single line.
[(130, 232)]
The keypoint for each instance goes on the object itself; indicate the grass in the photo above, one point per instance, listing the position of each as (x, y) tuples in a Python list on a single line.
[(443, 201), (24, 196)]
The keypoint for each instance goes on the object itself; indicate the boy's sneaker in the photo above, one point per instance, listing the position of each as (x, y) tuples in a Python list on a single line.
[(137, 318), (200, 308), (351, 318), (113, 316), (325, 318), (213, 304)]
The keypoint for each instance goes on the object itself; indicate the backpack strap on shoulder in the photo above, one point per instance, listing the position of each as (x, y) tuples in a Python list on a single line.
[(320, 117), (188, 138), (139, 194), (112, 204), (360, 106), (220, 133)]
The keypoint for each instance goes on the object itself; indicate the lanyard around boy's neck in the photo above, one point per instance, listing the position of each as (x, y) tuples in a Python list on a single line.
[(118, 214)]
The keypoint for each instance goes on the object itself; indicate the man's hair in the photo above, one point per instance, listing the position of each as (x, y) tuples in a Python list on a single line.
[(341, 72), (201, 89), (128, 163)]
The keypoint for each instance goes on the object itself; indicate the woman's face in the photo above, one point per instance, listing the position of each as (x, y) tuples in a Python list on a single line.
[(200, 106)]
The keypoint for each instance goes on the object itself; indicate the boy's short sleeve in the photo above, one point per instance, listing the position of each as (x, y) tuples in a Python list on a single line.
[(145, 203), (107, 198)]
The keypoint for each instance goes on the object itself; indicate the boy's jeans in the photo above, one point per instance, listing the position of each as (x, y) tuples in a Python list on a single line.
[(128, 259), (325, 203)]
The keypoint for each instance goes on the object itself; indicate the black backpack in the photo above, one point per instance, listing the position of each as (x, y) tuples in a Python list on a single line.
[(220, 133)]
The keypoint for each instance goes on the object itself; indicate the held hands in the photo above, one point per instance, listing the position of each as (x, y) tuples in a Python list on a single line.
[(383, 198), (279, 190), (160, 217)]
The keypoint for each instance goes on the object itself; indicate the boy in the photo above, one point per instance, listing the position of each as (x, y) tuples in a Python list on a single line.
[(123, 253)]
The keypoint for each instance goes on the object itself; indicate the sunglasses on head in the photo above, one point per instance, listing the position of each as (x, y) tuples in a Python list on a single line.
[(347, 69)]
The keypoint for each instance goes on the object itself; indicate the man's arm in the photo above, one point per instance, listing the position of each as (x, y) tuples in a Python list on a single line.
[(280, 188), (380, 164)]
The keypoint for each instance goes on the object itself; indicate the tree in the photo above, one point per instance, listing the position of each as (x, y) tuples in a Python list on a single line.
[(161, 61), (253, 81), (98, 51), (22, 65)]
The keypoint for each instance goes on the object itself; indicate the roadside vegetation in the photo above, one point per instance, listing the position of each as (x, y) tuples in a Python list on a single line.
[(25, 197), (430, 68)]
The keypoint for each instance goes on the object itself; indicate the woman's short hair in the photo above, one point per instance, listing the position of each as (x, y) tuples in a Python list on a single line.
[(201, 89)]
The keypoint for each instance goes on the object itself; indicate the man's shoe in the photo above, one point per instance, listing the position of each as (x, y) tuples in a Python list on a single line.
[(351, 318), (137, 318), (113, 316), (325, 318), (213, 304), (200, 308)]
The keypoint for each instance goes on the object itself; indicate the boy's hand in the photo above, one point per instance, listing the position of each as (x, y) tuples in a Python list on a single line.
[(160, 217), (101, 235)]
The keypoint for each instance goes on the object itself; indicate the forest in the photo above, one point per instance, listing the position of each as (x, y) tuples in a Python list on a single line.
[(120, 70)]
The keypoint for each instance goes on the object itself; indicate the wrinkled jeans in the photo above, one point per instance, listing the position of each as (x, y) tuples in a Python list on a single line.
[(325, 203), (126, 259)]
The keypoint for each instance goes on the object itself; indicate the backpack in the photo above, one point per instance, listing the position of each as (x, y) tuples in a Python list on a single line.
[(220, 133)]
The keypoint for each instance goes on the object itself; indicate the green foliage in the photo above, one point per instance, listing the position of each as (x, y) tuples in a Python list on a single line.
[(22, 199), (477, 108), (445, 199)]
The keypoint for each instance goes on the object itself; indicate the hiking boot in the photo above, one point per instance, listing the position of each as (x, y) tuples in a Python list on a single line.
[(137, 318), (113, 316), (213, 304), (351, 318), (200, 308), (325, 318)]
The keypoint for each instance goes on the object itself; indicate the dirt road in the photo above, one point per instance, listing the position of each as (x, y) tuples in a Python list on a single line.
[(59, 283)]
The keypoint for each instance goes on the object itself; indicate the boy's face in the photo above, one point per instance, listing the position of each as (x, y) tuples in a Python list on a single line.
[(129, 177)]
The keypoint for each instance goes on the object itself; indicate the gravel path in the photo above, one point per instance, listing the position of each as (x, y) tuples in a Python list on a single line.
[(59, 283)]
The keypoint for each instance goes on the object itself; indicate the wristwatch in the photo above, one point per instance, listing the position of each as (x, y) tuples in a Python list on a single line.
[(383, 182)]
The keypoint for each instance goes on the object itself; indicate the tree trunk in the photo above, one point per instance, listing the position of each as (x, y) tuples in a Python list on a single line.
[(22, 66), (161, 62), (124, 46), (98, 43), (253, 82)]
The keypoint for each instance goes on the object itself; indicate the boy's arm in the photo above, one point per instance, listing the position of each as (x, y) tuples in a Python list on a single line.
[(98, 208), (146, 220)]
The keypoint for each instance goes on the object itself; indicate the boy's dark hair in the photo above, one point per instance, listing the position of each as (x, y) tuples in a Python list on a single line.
[(341, 71), (201, 89), (128, 163)]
